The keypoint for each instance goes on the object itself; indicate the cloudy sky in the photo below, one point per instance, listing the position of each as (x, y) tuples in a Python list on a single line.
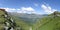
[(31, 6)]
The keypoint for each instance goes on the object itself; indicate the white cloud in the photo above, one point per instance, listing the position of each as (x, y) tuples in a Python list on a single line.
[(18, 9), (9, 9), (21, 10), (48, 9), (26, 10)]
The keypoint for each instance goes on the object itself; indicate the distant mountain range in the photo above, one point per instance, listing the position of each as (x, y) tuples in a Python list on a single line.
[(28, 18)]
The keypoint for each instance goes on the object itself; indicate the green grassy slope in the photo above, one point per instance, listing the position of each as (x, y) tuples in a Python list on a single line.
[(51, 22), (48, 23), (2, 19), (20, 23)]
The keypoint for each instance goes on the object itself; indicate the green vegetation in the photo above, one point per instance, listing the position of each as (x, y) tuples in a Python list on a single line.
[(2, 19), (21, 24), (48, 23)]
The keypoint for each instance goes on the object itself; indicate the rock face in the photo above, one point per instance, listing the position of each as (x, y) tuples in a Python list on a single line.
[(6, 22)]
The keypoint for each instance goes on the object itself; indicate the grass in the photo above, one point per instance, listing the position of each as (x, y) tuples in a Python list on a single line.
[(48, 23)]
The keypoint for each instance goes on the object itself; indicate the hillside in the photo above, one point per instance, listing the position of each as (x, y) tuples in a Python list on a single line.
[(2, 19), (21, 23), (48, 23), (10, 22)]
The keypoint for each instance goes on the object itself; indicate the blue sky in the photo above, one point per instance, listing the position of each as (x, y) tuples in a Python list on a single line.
[(31, 6)]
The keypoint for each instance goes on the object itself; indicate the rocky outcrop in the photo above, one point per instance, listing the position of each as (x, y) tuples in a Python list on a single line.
[(8, 23)]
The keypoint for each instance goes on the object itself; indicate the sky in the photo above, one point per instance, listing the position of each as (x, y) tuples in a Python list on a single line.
[(31, 6)]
